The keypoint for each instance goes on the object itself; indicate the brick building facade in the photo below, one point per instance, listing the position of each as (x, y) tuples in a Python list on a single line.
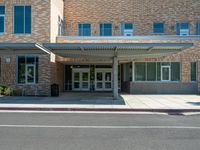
[(135, 46)]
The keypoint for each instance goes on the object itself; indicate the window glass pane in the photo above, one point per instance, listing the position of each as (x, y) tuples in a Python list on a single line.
[(175, 71), (76, 76), (30, 73), (193, 71), (151, 71), (80, 29), (165, 73), (36, 70), (158, 27), (166, 63), (158, 71), (180, 26), (84, 29), (1, 24), (184, 25), (21, 69), (106, 29), (128, 26), (28, 19), (99, 76), (198, 28), (2, 10), (85, 76), (140, 71), (19, 19), (30, 60)]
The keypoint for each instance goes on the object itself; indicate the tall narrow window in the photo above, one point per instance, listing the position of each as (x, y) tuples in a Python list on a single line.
[(193, 71), (106, 29), (140, 71), (60, 26), (22, 19), (183, 29), (198, 28), (27, 69), (158, 28), (175, 71), (84, 29), (151, 71), (2, 19)]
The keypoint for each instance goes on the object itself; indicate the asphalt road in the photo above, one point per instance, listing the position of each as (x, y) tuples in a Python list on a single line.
[(26, 131)]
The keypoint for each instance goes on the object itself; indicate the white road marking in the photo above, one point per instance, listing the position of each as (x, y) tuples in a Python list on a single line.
[(100, 127), (81, 112)]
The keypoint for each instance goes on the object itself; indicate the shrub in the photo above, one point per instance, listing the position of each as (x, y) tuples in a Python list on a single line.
[(1, 90), (8, 91)]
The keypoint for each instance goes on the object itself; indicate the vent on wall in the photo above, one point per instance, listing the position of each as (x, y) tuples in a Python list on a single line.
[(128, 32), (184, 32)]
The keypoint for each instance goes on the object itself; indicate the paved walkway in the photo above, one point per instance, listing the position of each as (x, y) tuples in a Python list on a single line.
[(104, 101)]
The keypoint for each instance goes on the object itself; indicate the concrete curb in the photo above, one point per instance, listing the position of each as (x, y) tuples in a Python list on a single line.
[(170, 111)]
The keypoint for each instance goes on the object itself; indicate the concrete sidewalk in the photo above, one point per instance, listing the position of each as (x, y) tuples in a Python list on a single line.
[(104, 102)]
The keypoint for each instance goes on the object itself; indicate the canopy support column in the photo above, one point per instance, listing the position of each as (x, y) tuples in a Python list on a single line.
[(115, 78)]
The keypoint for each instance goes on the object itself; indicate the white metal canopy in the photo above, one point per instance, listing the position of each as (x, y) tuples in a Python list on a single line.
[(121, 50), (104, 50)]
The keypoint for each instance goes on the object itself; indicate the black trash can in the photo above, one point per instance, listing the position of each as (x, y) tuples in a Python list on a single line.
[(54, 90)]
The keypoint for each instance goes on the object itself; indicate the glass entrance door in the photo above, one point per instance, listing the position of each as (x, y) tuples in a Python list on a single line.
[(103, 79), (80, 79)]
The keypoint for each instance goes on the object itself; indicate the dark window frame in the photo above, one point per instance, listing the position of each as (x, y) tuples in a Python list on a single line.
[(157, 30), (23, 74), (179, 26), (81, 32), (193, 79), (102, 29), (2, 15), (26, 19), (158, 72), (198, 28)]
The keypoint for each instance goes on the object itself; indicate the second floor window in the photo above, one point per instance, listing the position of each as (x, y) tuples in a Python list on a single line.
[(198, 28), (84, 29), (127, 29), (158, 28), (22, 19), (60, 26), (105, 29), (182, 29), (2, 19)]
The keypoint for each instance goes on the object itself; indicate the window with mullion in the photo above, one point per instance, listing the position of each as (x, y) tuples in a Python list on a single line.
[(84, 29), (2, 19), (106, 29), (27, 69), (158, 28), (182, 26), (22, 19), (156, 71), (198, 28)]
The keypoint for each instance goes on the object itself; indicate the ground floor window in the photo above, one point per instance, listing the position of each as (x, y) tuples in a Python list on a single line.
[(157, 71), (193, 71), (27, 69)]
